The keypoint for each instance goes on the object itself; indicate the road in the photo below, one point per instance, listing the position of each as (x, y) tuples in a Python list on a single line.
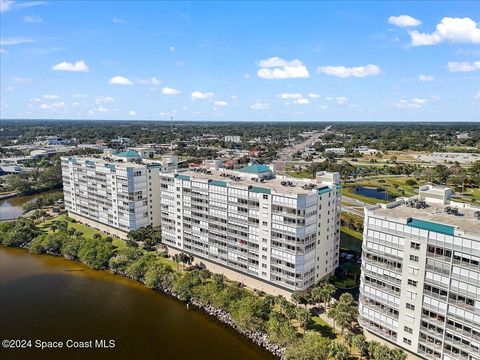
[(287, 154)]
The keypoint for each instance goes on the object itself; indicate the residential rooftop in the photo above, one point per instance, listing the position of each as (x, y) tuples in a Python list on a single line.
[(243, 178), (108, 161), (429, 210)]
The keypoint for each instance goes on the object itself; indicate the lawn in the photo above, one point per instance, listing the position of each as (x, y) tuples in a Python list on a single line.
[(350, 240), (321, 326), (87, 231)]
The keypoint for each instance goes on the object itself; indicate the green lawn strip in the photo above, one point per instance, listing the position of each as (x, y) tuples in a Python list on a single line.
[(319, 325), (87, 231), (349, 242), (357, 235)]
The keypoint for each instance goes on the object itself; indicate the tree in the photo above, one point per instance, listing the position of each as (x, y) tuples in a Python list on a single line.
[(343, 312), (250, 313), (96, 253), (158, 276), (327, 291), (19, 232), (301, 297), (303, 316), (361, 344), (280, 329), (137, 269), (313, 346), (185, 283), (338, 351)]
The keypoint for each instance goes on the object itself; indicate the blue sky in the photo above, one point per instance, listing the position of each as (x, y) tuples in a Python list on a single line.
[(241, 61)]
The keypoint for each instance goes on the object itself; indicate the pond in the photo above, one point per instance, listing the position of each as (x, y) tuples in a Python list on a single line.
[(375, 193)]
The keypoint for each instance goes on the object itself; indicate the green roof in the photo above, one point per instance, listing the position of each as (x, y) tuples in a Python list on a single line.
[(128, 154), (255, 169), (431, 226), (339, 186), (110, 166), (217, 183), (260, 190), (323, 190), (183, 177)]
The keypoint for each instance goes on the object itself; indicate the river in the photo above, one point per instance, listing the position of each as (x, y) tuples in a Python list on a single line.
[(12, 208), (52, 299)]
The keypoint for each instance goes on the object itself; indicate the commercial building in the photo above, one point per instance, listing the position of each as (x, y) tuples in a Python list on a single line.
[(114, 197), (420, 283), (233, 138), (271, 233)]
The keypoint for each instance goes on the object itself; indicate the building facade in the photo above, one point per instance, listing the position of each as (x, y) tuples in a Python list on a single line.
[(277, 235), (420, 280), (114, 197)]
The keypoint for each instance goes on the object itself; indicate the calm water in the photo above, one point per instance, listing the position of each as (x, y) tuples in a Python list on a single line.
[(12, 208), (374, 193), (53, 299)]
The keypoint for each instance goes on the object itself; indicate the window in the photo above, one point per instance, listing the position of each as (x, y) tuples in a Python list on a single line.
[(408, 330), (407, 341), (412, 270), (410, 306), (414, 258), (415, 246), (412, 282)]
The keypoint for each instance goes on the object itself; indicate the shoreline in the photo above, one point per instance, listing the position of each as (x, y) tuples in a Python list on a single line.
[(258, 338)]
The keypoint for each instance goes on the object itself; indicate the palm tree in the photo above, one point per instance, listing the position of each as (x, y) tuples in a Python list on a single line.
[(316, 295), (361, 344), (338, 351), (349, 336), (303, 317), (327, 292)]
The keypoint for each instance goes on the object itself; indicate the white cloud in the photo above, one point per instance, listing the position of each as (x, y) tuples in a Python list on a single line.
[(104, 99), (170, 91), (403, 21), (54, 106), (454, 30), (50, 97), (171, 48), (477, 97), (119, 21), (314, 95), (426, 78), (220, 103), (151, 81), (132, 113), (341, 100), (412, 103), (290, 96), (198, 95), (302, 101), (79, 66), (465, 66), (247, 76), (344, 72), (277, 68), (16, 40), (7, 5), (80, 96), (32, 19), (120, 80), (22, 80), (260, 106)]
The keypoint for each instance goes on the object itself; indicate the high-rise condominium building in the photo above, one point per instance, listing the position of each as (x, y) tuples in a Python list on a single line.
[(420, 284), (114, 197), (271, 233)]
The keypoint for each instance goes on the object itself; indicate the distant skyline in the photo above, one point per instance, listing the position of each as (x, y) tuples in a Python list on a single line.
[(242, 61)]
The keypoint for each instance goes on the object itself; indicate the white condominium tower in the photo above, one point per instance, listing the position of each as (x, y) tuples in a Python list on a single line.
[(420, 284), (114, 197), (273, 234)]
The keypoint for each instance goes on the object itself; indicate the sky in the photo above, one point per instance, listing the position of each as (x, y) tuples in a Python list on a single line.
[(240, 61)]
